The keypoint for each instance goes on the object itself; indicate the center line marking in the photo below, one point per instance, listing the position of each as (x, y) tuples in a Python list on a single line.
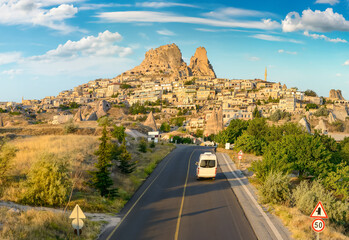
[(181, 209)]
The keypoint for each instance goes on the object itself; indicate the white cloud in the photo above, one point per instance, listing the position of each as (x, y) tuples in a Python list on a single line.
[(164, 4), (346, 63), (224, 13), (12, 72), (166, 32), (10, 57), (331, 2), (102, 45), (253, 59), (37, 13), (319, 21), (338, 75), (92, 6), (317, 36), (287, 52), (272, 38), (160, 17)]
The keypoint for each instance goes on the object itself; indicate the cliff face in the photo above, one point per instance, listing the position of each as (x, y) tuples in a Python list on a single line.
[(336, 95), (200, 65), (167, 60)]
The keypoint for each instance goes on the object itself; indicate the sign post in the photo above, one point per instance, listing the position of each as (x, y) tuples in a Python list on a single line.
[(318, 224), (77, 223), (240, 154)]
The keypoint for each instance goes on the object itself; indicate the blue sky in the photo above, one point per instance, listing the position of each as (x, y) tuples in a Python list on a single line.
[(47, 46)]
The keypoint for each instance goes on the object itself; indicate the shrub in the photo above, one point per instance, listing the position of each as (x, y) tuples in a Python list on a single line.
[(104, 121), (142, 146), (310, 93), (311, 106), (275, 189), (278, 115), (152, 144), (70, 127), (165, 127), (321, 112), (48, 181), (307, 195)]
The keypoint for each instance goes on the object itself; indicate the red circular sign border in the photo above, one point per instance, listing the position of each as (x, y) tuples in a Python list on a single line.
[(312, 225)]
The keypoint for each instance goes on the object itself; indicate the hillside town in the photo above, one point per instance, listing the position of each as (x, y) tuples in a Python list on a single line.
[(172, 89)]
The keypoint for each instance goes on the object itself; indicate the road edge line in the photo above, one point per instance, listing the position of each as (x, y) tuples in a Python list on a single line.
[(265, 216), (182, 203), (139, 198)]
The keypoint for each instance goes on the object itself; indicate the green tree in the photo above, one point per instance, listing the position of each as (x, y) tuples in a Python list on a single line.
[(256, 113), (104, 121), (125, 165), (310, 93), (119, 133), (232, 132), (258, 128), (142, 146), (250, 144), (165, 127), (311, 106), (101, 179), (48, 181)]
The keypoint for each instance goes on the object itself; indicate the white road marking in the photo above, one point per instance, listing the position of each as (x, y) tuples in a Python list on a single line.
[(267, 219)]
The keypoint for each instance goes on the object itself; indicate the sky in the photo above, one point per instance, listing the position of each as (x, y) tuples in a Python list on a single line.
[(47, 46)]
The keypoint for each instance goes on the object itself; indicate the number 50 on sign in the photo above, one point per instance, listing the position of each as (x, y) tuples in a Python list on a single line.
[(318, 225)]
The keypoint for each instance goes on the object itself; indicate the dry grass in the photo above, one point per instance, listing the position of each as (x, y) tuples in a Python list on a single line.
[(33, 225), (300, 225)]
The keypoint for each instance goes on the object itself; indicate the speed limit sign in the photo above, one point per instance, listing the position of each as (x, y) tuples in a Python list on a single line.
[(318, 225)]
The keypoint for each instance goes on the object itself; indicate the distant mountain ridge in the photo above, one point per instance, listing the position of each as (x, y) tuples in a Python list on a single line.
[(167, 60)]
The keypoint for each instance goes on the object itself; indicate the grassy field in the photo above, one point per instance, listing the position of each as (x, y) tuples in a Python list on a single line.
[(80, 152), (33, 225)]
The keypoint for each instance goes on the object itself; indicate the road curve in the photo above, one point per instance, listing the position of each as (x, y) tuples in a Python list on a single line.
[(159, 210)]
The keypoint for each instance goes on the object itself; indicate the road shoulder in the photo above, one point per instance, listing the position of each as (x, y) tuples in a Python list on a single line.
[(265, 225)]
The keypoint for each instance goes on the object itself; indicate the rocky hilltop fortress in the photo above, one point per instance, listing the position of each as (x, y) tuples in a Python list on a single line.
[(167, 61), (164, 88)]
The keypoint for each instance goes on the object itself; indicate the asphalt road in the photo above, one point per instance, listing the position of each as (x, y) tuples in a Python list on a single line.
[(159, 209)]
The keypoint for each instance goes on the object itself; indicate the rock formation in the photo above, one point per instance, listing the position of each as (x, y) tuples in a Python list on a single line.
[(331, 118), (167, 60), (93, 111), (150, 122), (200, 65), (341, 112), (336, 95), (304, 123), (214, 123), (321, 126)]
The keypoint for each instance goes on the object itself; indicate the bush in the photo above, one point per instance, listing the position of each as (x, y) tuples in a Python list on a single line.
[(165, 127), (152, 144), (48, 181), (276, 188), (307, 195), (278, 115), (104, 121), (321, 112), (70, 127), (142, 147), (311, 106)]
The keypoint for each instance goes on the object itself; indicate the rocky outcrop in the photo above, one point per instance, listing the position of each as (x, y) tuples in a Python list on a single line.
[(214, 123), (331, 118), (341, 112), (304, 123), (150, 122), (200, 65), (92, 111), (336, 95), (165, 60), (321, 127)]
